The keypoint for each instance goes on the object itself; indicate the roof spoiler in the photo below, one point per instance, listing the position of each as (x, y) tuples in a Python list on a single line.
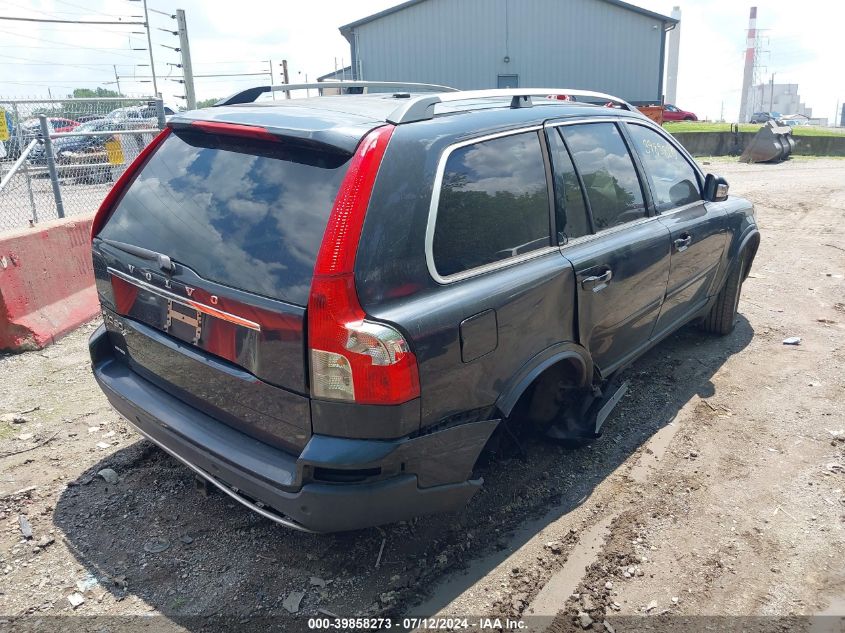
[(251, 94)]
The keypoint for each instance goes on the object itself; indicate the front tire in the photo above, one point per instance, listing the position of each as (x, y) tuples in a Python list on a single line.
[(722, 316)]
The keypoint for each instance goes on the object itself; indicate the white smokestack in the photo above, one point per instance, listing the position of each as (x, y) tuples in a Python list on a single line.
[(750, 58)]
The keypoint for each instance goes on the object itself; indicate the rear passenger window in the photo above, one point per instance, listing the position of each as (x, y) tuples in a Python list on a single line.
[(493, 205), (610, 179), (570, 211), (672, 179)]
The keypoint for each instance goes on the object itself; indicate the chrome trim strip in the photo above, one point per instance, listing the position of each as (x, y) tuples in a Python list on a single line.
[(212, 480), (189, 303), (613, 229), (686, 207), (596, 119), (435, 202)]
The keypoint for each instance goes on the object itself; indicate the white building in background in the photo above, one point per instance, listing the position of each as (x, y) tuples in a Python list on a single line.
[(782, 98)]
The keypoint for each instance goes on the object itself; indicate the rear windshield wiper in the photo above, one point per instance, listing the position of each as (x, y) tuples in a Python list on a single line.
[(164, 262)]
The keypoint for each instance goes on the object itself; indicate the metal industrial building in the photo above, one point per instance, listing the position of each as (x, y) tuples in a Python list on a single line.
[(603, 45)]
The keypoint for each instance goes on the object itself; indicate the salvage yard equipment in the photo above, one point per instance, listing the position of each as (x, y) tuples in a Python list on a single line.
[(772, 144), (653, 112)]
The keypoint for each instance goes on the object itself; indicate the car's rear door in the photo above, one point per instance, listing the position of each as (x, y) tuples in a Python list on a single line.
[(697, 227), (621, 260)]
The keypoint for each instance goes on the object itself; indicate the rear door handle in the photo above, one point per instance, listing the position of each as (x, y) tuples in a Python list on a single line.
[(682, 243), (597, 282)]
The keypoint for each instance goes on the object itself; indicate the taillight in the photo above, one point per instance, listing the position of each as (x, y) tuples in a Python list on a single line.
[(351, 358), (110, 202)]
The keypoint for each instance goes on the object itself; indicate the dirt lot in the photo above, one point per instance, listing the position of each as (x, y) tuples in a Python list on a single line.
[(717, 488)]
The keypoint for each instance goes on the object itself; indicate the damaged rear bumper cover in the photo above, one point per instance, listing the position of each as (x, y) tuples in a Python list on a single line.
[(421, 475)]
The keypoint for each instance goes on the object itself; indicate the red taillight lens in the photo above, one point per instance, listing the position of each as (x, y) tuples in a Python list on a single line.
[(110, 201), (351, 358)]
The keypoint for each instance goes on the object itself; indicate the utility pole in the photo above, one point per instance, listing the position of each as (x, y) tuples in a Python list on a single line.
[(285, 77), (117, 81), (185, 52), (772, 92), (272, 80), (150, 48)]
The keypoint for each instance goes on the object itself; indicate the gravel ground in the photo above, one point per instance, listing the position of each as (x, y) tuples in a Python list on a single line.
[(717, 488)]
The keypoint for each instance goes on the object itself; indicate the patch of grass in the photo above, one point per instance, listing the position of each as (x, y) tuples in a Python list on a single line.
[(809, 130), (707, 126)]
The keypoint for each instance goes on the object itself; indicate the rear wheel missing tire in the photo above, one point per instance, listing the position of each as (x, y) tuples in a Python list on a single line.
[(722, 316)]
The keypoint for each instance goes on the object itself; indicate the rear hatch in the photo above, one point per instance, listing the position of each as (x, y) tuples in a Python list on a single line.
[(204, 269)]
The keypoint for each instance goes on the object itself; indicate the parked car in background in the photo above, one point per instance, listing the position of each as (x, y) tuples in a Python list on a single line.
[(674, 113), (763, 117), (793, 120), (143, 113), (31, 129), (326, 307), (59, 124), (76, 144), (89, 117)]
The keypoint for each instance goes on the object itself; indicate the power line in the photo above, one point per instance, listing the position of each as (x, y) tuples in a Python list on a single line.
[(28, 61), (205, 76), (89, 48), (78, 6), (63, 48), (42, 83), (52, 13), (41, 62), (17, 19)]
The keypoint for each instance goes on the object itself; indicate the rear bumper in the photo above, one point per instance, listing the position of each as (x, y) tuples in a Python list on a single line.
[(408, 476)]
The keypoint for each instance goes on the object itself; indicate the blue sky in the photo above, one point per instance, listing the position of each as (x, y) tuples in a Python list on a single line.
[(804, 41)]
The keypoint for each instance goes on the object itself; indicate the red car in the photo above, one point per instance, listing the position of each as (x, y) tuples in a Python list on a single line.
[(62, 125), (674, 113)]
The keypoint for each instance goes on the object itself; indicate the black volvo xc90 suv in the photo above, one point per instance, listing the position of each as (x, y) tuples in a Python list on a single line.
[(327, 306)]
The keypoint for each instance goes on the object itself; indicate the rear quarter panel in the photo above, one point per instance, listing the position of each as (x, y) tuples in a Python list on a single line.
[(533, 300)]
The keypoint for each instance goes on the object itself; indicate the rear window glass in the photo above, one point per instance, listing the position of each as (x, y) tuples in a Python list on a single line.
[(245, 214), (494, 204)]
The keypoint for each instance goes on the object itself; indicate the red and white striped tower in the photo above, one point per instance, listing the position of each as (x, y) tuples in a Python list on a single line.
[(750, 60)]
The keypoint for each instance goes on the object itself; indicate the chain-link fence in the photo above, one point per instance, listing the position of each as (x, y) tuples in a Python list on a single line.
[(60, 158)]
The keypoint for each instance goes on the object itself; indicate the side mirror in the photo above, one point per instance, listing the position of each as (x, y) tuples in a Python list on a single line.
[(715, 188)]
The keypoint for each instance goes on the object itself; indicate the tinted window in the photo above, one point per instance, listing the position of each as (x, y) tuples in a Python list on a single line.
[(493, 205), (570, 211), (672, 179), (608, 173), (247, 215)]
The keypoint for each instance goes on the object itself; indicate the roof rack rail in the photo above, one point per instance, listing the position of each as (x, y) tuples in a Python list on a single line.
[(251, 94), (421, 108)]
